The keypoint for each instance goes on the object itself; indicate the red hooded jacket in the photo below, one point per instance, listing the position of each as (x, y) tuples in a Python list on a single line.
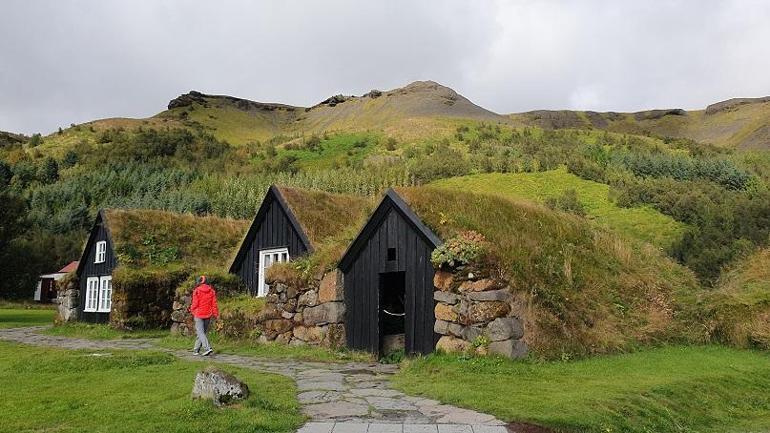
[(204, 301)]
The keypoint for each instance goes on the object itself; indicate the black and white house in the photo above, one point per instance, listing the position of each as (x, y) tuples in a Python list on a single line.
[(274, 236), (94, 274)]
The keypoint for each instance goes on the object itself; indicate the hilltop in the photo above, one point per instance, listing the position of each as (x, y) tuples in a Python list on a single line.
[(741, 123)]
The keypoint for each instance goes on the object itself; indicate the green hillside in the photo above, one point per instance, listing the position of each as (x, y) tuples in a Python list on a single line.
[(642, 223), (739, 123)]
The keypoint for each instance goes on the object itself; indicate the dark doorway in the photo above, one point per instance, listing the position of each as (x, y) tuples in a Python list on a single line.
[(392, 312)]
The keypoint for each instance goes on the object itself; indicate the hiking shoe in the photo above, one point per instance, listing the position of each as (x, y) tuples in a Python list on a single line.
[(208, 352), (196, 353)]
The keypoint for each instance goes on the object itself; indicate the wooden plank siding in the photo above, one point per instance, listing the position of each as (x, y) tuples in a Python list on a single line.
[(87, 268), (273, 227), (392, 225)]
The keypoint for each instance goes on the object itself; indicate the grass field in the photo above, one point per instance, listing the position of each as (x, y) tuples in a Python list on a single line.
[(92, 331), (675, 389), (13, 316), (77, 391), (268, 350), (641, 223)]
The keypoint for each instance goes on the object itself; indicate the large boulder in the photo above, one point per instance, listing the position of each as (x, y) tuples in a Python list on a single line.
[(504, 328), (445, 312), (331, 289), (479, 286), (450, 344), (509, 348), (329, 312), (483, 312), (218, 386)]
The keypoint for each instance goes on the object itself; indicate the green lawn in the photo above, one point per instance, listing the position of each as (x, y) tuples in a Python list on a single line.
[(121, 391), (640, 222), (93, 331), (14, 317), (335, 149), (675, 389), (268, 350)]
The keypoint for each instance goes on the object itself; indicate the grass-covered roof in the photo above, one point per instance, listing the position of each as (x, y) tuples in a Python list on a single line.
[(158, 238), (588, 289), (330, 221)]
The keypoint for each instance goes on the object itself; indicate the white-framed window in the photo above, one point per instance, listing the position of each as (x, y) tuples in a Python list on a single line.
[(92, 294), (105, 295), (101, 252), (266, 259), (98, 295)]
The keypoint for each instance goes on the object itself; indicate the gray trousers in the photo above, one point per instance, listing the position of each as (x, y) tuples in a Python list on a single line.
[(201, 326)]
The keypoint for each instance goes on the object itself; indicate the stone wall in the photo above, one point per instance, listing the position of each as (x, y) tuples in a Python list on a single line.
[(310, 313), (477, 313), (294, 313), (67, 298)]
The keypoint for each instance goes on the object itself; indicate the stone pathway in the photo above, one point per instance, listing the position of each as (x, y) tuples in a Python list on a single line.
[(337, 397)]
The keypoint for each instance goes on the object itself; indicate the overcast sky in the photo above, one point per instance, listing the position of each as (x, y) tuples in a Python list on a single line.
[(65, 62)]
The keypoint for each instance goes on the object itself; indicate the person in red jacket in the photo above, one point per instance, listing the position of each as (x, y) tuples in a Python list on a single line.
[(203, 308)]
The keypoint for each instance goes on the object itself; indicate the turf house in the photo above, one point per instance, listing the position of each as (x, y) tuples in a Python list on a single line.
[(432, 268), (134, 260)]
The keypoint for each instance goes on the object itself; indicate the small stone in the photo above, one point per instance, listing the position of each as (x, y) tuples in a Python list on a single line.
[(177, 305), (283, 338), (504, 328), (509, 348), (456, 329), (445, 297), (479, 286), (287, 315), (308, 299), (471, 333), (277, 326), (310, 334), (178, 315), (445, 312), (331, 288), (278, 288), (492, 295), (471, 276), (291, 293), (441, 327), (443, 280), (219, 386), (452, 344)]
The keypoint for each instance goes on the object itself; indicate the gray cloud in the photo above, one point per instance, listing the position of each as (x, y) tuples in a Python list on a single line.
[(69, 62)]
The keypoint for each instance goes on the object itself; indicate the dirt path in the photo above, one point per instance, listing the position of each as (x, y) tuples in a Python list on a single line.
[(337, 397)]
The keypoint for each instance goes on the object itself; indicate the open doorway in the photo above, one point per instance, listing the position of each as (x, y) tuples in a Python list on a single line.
[(392, 312)]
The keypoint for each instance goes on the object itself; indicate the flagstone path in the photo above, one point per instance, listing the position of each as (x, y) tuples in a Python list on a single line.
[(351, 397)]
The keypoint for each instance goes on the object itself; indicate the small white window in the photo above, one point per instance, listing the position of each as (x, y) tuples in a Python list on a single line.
[(92, 294), (101, 252), (105, 295), (266, 259)]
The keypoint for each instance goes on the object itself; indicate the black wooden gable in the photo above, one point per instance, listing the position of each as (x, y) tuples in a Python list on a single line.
[(274, 226), (100, 231), (88, 268), (391, 201), (391, 255)]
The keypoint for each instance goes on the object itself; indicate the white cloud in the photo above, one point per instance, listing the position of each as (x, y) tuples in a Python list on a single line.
[(65, 62)]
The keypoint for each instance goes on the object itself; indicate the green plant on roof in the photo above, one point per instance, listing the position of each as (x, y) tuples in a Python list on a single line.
[(464, 248)]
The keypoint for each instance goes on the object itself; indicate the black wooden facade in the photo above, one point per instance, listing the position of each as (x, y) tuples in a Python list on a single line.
[(88, 268), (393, 245), (275, 226)]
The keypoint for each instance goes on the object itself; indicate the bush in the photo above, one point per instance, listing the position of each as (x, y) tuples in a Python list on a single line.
[(567, 202), (464, 248)]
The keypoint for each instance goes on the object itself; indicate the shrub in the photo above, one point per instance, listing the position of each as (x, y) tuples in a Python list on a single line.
[(464, 248), (567, 202)]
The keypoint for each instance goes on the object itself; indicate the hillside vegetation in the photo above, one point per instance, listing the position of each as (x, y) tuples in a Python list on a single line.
[(643, 223), (740, 308), (739, 123), (216, 155), (587, 290)]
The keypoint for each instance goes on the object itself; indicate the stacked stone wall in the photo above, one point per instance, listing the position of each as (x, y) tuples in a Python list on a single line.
[(309, 313), (477, 313)]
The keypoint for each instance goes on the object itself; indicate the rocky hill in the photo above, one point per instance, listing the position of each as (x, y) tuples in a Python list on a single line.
[(741, 123)]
